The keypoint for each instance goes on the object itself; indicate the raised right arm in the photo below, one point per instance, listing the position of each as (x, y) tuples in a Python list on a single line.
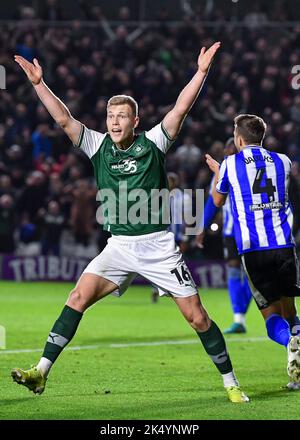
[(53, 104)]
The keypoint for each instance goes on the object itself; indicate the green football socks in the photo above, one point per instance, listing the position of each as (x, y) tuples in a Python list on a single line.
[(214, 345), (62, 332)]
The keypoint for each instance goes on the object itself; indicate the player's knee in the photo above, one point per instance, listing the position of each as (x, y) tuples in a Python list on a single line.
[(200, 321), (76, 299)]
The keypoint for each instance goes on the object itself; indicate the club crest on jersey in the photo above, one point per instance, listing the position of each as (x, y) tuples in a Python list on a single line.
[(126, 166), (138, 148)]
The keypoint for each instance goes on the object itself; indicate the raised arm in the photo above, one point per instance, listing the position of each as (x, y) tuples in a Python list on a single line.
[(53, 104), (173, 120)]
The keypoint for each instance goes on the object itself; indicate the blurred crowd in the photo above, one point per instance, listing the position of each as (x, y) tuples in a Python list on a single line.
[(47, 190)]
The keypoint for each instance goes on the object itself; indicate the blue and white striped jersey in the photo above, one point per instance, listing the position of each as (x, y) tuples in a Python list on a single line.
[(180, 204), (228, 228), (257, 181), (227, 216)]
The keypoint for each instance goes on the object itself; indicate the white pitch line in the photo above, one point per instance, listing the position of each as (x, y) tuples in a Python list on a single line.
[(135, 344)]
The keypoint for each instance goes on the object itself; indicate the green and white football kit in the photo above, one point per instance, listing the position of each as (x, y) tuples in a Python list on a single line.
[(143, 247)]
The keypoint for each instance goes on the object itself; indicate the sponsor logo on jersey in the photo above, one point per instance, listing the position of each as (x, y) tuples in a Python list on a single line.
[(138, 148), (262, 206), (126, 166)]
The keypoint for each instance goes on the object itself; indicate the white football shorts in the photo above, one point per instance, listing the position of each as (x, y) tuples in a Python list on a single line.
[(154, 256)]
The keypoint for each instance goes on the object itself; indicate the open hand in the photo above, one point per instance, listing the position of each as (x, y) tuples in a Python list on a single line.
[(214, 166), (33, 71), (206, 57)]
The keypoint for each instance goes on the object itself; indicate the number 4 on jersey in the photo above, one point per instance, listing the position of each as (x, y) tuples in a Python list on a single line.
[(263, 184)]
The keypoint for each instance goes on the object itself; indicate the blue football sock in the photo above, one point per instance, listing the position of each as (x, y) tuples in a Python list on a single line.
[(278, 329), (236, 291)]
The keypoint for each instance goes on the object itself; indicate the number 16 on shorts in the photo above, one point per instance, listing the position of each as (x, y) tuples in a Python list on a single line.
[(183, 275)]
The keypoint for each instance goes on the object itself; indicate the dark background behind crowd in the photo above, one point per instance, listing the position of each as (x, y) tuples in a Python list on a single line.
[(92, 50)]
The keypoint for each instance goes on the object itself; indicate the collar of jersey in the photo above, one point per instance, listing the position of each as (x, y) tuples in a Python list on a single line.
[(253, 146), (125, 151)]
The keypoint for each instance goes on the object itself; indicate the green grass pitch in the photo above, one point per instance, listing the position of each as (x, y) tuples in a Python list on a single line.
[(131, 359)]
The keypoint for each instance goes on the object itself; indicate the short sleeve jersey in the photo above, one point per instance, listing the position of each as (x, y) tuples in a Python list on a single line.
[(257, 181), (130, 179)]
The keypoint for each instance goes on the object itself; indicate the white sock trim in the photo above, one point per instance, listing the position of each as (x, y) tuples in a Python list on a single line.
[(240, 318), (230, 380), (44, 366)]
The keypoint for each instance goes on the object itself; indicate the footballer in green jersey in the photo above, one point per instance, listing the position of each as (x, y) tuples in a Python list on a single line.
[(136, 162)]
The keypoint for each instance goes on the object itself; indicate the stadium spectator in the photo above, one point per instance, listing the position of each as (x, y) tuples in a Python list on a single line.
[(28, 239), (148, 63), (188, 156), (51, 223), (27, 46), (42, 145), (33, 195), (82, 212), (7, 224), (6, 186), (50, 10)]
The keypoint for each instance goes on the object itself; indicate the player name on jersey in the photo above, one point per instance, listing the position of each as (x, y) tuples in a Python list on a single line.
[(249, 159)]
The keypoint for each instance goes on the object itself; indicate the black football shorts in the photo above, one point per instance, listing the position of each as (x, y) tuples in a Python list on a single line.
[(272, 274)]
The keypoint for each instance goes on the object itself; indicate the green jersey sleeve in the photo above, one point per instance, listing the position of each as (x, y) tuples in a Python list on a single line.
[(160, 137), (90, 141)]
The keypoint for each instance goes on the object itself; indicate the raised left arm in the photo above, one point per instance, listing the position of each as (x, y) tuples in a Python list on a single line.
[(173, 120)]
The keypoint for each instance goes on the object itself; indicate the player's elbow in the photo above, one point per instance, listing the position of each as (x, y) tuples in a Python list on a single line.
[(218, 203), (219, 200), (64, 118), (63, 121)]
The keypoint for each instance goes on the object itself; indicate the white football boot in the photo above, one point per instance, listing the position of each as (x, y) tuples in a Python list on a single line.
[(293, 366)]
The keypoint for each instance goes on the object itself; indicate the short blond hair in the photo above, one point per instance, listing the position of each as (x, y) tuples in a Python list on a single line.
[(124, 99)]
